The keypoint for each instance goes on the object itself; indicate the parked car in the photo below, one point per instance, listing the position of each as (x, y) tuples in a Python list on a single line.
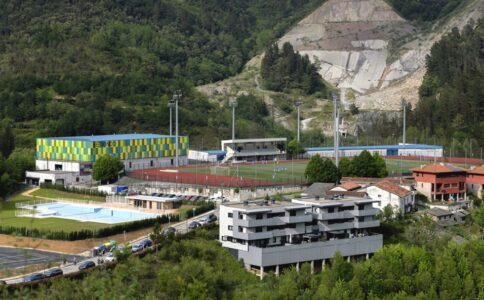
[(208, 219), (53, 272), (194, 225), (169, 230), (109, 258), (34, 277), (141, 245), (87, 265)]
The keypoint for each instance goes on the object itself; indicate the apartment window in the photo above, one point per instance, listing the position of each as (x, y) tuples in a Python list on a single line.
[(151, 163), (241, 216), (259, 216), (330, 209), (258, 229), (158, 205), (274, 239), (361, 219), (241, 229), (230, 215), (230, 227), (58, 167), (292, 213), (130, 165), (292, 225)]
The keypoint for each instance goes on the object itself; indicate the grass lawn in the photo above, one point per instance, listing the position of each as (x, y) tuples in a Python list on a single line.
[(55, 194), (8, 218), (286, 171)]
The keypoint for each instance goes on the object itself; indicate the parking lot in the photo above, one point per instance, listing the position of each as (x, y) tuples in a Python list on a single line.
[(13, 258)]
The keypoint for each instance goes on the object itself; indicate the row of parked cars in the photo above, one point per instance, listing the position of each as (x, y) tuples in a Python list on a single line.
[(190, 197)]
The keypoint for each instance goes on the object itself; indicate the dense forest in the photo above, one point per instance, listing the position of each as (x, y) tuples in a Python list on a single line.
[(451, 102), (424, 266), (424, 10), (284, 69), (91, 67)]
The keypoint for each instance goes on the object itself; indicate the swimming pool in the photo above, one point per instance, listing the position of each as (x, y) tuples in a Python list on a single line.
[(87, 213)]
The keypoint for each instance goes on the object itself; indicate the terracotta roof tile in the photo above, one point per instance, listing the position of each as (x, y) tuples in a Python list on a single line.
[(349, 186), (392, 188), (477, 170), (438, 168)]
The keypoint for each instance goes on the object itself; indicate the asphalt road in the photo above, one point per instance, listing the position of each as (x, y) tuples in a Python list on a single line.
[(181, 227), (12, 258)]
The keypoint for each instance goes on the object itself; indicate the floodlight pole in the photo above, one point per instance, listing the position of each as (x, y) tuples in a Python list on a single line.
[(176, 97), (404, 104), (233, 104), (336, 134), (170, 105), (298, 103)]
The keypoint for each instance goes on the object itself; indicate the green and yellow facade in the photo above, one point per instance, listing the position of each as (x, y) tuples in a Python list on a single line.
[(88, 149)]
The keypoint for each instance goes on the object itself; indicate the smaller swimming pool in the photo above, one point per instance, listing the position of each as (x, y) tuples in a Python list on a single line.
[(87, 213)]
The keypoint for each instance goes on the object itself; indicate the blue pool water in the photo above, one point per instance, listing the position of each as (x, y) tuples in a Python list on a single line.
[(87, 213)]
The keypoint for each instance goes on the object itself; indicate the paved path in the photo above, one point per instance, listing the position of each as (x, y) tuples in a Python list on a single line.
[(181, 227)]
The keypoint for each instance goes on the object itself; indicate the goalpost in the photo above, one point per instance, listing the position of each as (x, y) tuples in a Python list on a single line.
[(216, 170)]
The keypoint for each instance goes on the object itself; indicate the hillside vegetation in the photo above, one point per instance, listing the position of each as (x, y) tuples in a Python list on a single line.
[(197, 267), (424, 10), (92, 67)]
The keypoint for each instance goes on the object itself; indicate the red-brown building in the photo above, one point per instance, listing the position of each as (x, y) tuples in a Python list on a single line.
[(475, 181), (441, 182)]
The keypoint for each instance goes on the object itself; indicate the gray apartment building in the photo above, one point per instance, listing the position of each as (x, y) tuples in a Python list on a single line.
[(270, 235)]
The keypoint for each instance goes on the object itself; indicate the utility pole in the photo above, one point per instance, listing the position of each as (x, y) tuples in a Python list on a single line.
[(404, 104), (336, 134), (174, 100), (298, 103), (233, 104)]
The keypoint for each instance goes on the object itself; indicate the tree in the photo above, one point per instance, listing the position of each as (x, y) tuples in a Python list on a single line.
[(294, 149), (387, 213), (364, 165), (381, 166), (19, 161), (346, 167), (320, 170), (107, 168), (7, 139)]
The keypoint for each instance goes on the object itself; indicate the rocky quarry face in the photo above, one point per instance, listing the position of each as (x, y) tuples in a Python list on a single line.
[(352, 42)]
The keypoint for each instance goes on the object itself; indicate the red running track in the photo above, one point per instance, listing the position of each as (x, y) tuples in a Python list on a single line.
[(164, 175)]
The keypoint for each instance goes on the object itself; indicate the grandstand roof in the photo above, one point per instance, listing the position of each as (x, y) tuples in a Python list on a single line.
[(406, 146), (112, 137), (215, 152)]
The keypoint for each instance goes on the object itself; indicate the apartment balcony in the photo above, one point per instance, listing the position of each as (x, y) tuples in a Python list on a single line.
[(259, 222), (365, 212), (296, 219), (248, 236), (367, 224), (334, 215), (337, 226)]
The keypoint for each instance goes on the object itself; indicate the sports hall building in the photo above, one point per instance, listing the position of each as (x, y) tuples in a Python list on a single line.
[(66, 160)]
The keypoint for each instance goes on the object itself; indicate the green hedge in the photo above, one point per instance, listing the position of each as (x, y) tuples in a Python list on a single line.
[(200, 208), (85, 234), (62, 188)]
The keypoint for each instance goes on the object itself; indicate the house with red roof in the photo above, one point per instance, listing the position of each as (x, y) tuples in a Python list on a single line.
[(388, 192), (475, 181), (441, 182)]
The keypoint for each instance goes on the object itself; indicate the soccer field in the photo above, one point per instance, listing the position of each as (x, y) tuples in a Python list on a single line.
[(292, 171), (273, 171)]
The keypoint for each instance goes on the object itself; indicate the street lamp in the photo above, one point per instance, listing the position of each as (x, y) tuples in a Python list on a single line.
[(298, 103), (174, 100), (233, 104)]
